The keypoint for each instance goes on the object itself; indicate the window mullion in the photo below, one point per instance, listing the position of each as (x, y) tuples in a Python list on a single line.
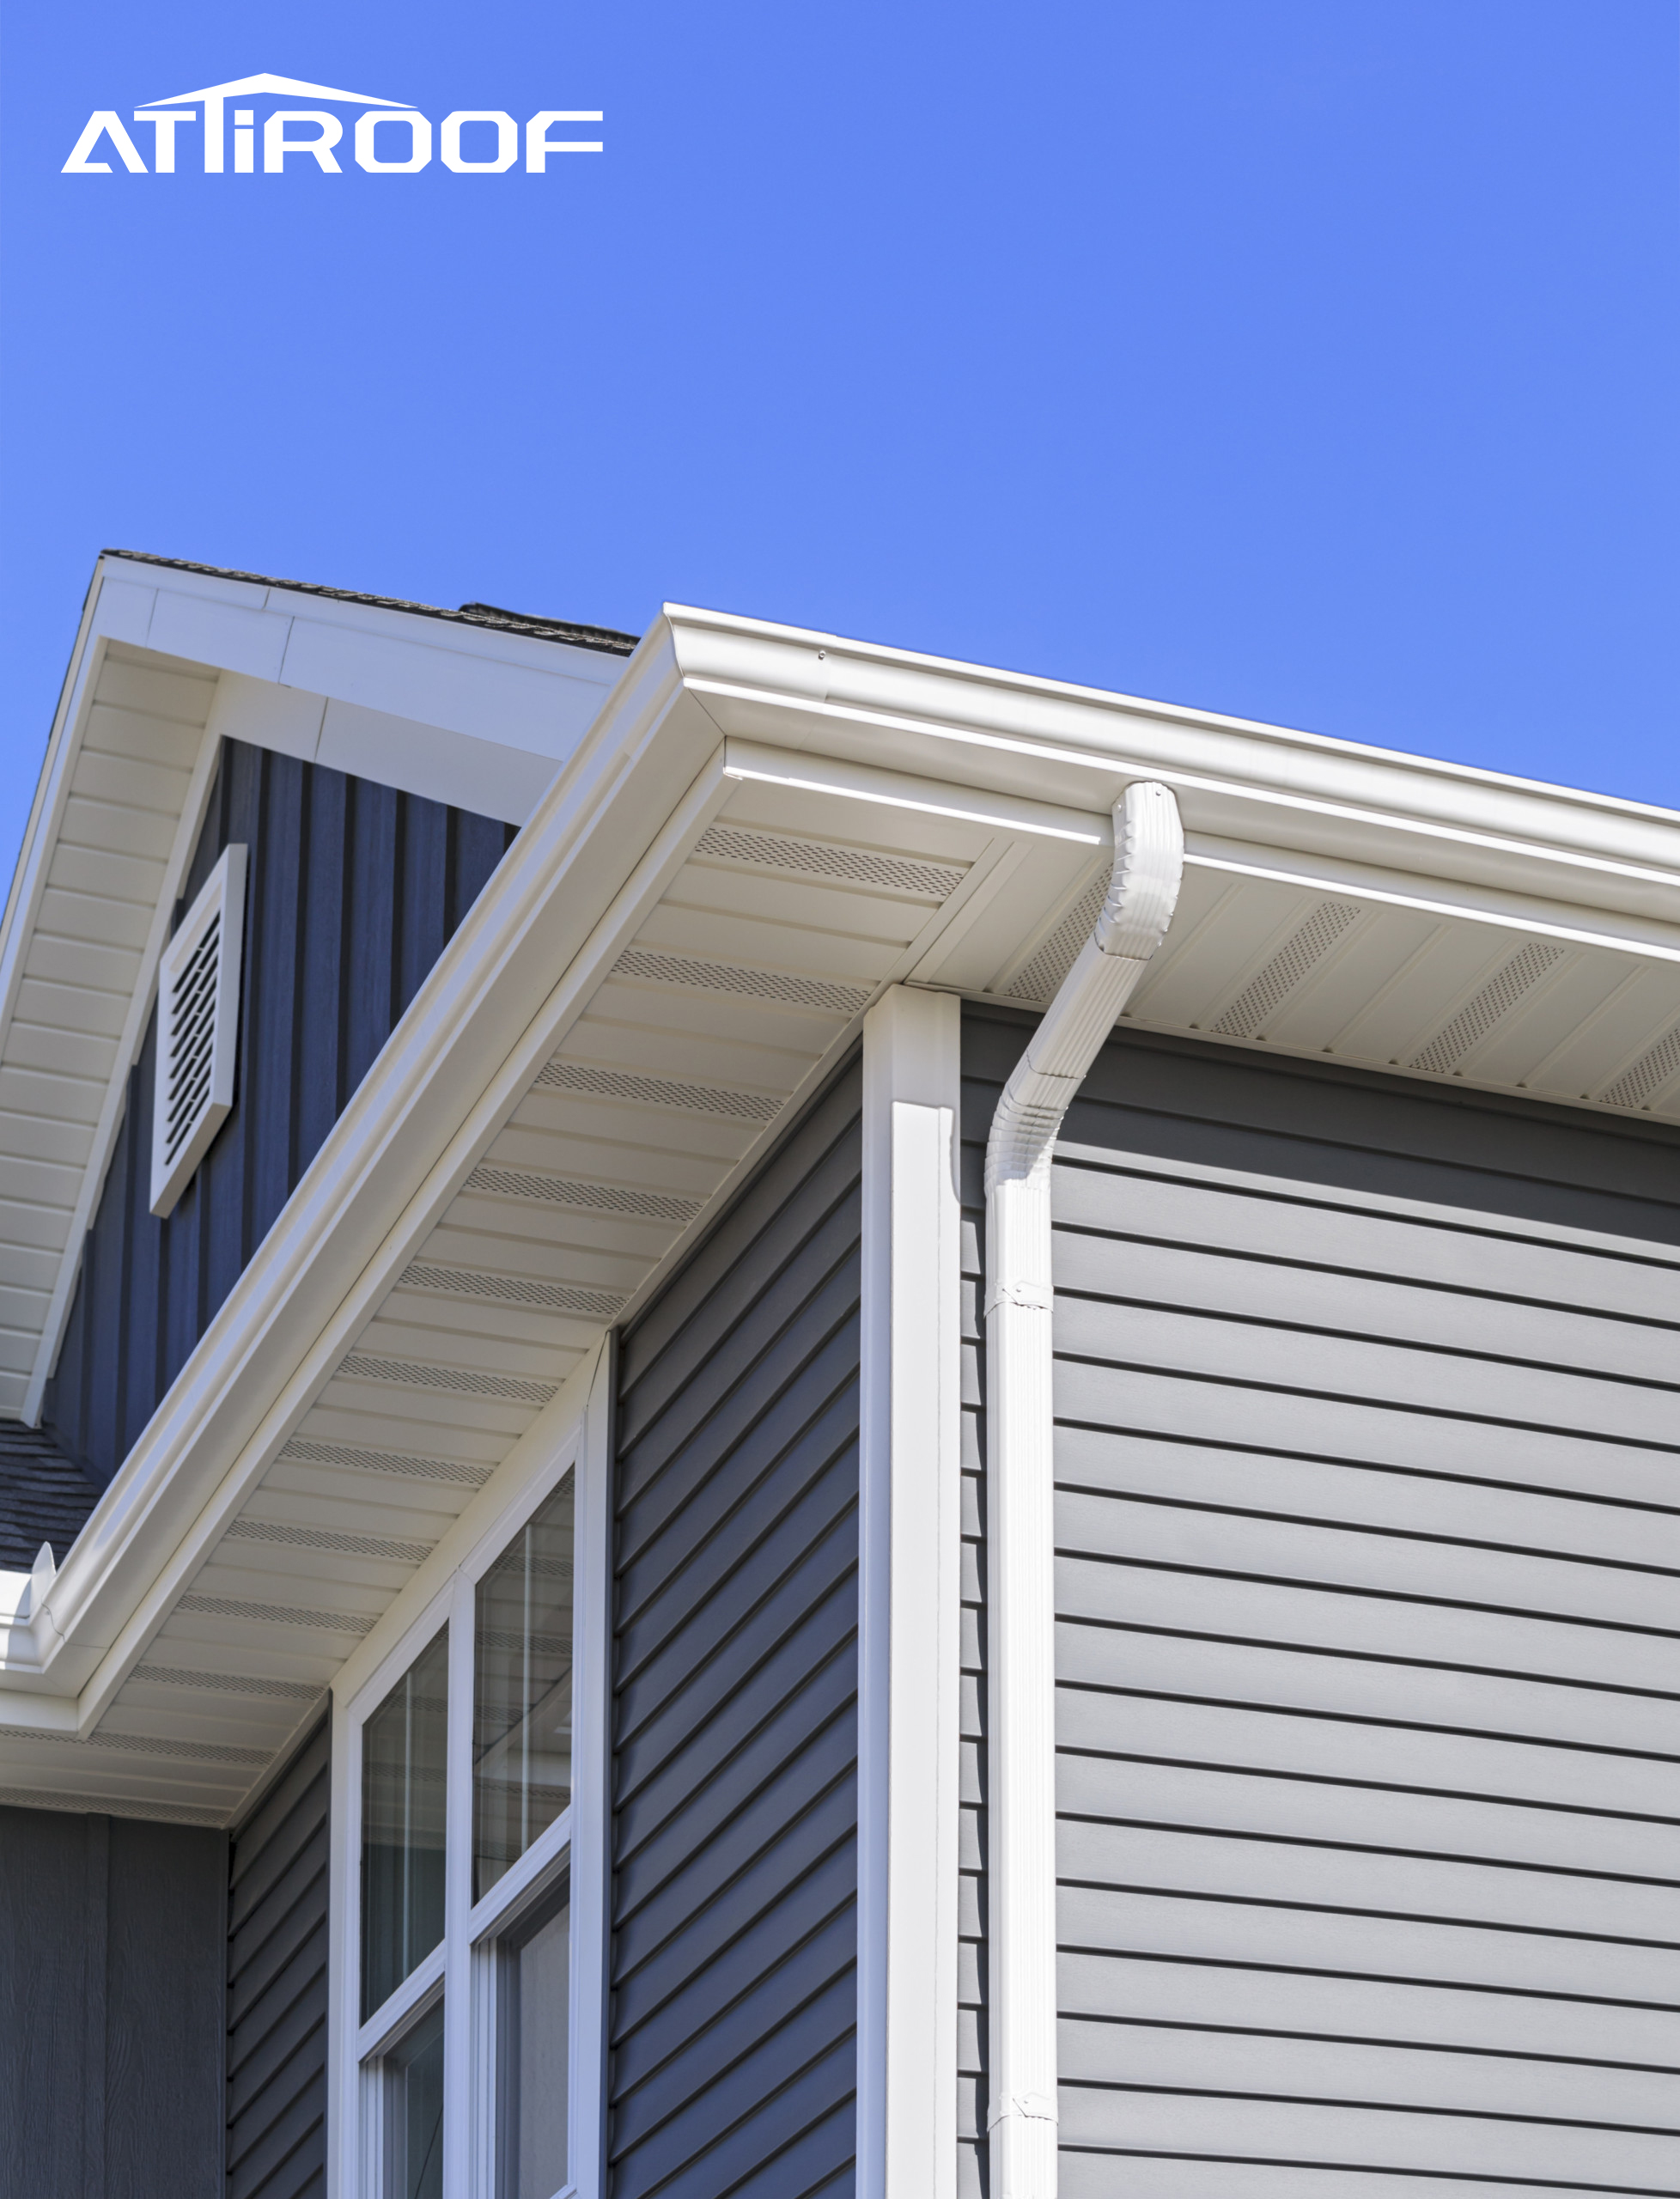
[(459, 2107)]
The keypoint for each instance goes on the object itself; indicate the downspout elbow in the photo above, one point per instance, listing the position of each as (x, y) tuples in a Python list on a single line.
[(1142, 894)]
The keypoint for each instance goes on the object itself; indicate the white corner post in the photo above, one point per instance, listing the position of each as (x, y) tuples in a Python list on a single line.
[(1020, 1615), (910, 1647)]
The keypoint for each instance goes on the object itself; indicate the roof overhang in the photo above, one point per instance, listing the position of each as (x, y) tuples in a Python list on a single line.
[(167, 659), (757, 832)]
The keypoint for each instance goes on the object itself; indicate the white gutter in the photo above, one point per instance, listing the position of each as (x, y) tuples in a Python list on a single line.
[(1148, 864)]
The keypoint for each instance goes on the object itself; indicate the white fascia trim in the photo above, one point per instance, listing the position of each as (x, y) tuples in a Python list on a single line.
[(1020, 1613), (833, 776), (281, 602), (566, 898), (910, 1599), (1484, 826)]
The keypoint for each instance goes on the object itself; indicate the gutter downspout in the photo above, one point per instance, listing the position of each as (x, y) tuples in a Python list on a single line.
[(1148, 864)]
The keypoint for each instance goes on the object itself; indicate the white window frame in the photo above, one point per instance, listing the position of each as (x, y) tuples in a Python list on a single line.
[(572, 1435)]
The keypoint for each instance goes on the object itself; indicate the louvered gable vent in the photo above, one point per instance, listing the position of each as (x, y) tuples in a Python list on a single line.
[(197, 1030)]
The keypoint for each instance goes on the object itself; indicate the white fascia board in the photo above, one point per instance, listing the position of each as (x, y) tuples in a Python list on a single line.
[(498, 644), (467, 772), (482, 683), (604, 843), (1234, 778), (835, 777)]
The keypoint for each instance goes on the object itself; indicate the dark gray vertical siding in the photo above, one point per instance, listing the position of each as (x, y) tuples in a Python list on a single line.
[(277, 1986), (352, 891), (733, 1986), (1368, 1664), (111, 1939)]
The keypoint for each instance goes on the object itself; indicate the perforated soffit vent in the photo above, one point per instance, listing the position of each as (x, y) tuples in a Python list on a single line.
[(197, 1030)]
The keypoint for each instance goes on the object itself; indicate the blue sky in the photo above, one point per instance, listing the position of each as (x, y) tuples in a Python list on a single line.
[(1315, 360)]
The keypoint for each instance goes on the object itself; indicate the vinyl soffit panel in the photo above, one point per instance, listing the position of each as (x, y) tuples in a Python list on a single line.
[(1515, 975)]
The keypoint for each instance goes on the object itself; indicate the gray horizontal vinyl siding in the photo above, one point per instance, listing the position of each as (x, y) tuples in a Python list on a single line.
[(277, 1986), (734, 1989), (1368, 1641)]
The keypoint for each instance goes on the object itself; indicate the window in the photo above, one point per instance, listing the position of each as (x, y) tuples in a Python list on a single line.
[(522, 1692), (404, 1748), (411, 2085), (532, 1972), (459, 1851)]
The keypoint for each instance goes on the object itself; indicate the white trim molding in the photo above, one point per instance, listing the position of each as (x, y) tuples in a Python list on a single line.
[(572, 1436), (1020, 1620), (910, 1599)]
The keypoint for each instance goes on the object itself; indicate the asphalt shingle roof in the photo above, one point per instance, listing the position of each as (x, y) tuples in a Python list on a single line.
[(44, 1497)]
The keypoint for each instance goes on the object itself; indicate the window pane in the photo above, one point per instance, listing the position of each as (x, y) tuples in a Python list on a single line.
[(522, 1708), (412, 2078), (535, 1981), (403, 1747)]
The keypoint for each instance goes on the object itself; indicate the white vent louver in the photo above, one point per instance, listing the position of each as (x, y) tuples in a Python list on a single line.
[(197, 1030)]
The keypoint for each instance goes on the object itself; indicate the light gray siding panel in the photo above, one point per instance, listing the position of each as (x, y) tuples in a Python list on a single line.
[(1368, 1652), (1469, 1266), (1571, 2037), (1310, 1360), (1361, 1622), (1382, 1499), (1091, 2175)]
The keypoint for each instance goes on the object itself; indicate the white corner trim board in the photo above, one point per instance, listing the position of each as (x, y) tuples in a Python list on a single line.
[(910, 1599), (1148, 865)]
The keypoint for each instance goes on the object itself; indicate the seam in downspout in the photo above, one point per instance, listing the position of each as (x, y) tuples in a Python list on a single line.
[(1143, 892)]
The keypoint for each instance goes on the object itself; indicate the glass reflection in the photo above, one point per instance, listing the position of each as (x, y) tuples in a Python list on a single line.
[(522, 1692), (414, 2112), (403, 1766), (531, 2046)]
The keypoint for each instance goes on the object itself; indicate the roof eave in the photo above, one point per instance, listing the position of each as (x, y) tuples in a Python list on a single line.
[(556, 914), (475, 1031), (1234, 777)]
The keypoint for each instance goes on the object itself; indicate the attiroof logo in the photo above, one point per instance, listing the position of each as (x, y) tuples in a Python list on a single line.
[(311, 133)]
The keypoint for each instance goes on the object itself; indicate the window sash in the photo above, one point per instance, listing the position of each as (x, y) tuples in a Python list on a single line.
[(464, 1966)]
